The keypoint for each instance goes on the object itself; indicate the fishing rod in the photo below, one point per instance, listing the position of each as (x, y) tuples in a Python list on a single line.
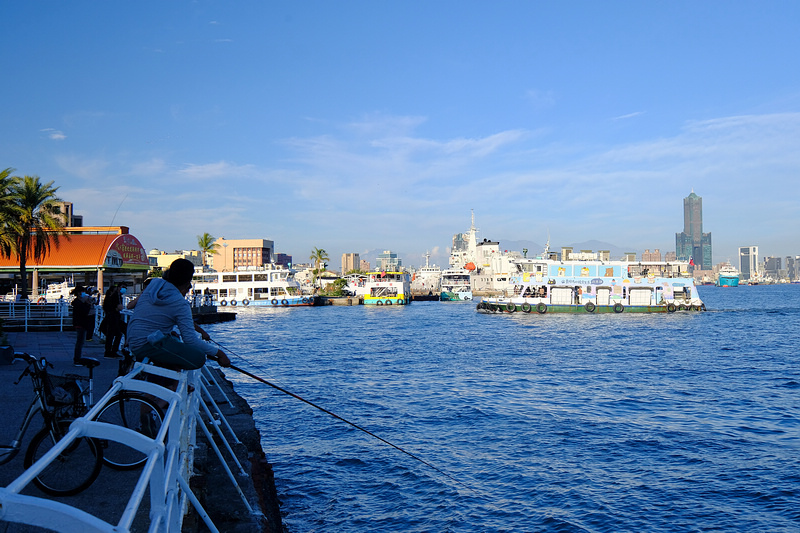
[(334, 415)]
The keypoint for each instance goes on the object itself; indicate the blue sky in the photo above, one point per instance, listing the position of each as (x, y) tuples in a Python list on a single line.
[(354, 126)]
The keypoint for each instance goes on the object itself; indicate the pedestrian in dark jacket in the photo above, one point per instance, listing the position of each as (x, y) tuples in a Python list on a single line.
[(80, 321), (112, 305)]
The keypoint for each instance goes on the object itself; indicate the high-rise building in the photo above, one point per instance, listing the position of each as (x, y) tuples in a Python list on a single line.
[(241, 253), (389, 260), (652, 256), (748, 262), (772, 267), (350, 262), (793, 267), (692, 243)]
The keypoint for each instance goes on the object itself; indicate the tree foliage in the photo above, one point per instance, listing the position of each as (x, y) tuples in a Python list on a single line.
[(208, 245), (30, 220), (319, 257)]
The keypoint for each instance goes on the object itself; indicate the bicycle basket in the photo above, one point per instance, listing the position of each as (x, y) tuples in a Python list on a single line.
[(61, 390)]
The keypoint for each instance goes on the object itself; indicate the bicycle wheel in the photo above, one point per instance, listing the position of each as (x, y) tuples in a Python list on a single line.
[(73, 470), (138, 413)]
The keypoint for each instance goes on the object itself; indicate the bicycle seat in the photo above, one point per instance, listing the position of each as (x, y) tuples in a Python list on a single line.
[(89, 362)]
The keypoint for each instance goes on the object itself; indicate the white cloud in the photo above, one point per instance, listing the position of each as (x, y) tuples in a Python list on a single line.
[(54, 134), (629, 115)]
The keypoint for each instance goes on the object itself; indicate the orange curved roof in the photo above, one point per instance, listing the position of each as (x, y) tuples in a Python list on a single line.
[(78, 251)]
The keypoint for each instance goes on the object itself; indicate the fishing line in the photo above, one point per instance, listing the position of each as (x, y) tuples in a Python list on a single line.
[(334, 415)]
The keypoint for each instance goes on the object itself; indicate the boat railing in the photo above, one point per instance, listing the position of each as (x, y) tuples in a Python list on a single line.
[(170, 457)]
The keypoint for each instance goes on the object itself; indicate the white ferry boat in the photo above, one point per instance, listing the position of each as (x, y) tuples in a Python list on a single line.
[(59, 292), (386, 288), (456, 286), (428, 279), (269, 286), (596, 286)]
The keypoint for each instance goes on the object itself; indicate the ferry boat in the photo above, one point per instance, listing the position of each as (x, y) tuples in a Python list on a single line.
[(268, 286), (386, 288), (427, 280), (728, 276), (597, 286), (456, 285), (59, 292)]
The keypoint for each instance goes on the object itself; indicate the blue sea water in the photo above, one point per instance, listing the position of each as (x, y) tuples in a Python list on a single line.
[(675, 422)]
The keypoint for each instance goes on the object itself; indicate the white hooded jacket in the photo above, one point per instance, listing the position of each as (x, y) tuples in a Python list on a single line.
[(161, 307)]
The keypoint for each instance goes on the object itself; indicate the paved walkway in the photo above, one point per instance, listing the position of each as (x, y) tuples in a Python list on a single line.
[(108, 494)]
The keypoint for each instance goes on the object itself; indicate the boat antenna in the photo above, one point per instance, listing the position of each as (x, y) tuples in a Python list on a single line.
[(547, 246)]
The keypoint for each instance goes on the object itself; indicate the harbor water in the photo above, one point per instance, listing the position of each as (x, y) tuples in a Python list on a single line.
[(671, 422)]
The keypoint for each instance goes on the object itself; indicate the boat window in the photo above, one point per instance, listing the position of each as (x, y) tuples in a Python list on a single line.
[(261, 277), (223, 293), (229, 278), (294, 291), (246, 277)]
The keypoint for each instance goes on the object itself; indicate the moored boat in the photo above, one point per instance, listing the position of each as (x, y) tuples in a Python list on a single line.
[(456, 285), (427, 280), (268, 286), (728, 276), (386, 288), (595, 286)]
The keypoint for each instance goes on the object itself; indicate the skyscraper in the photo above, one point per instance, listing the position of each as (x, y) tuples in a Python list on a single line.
[(692, 243), (351, 261), (748, 262)]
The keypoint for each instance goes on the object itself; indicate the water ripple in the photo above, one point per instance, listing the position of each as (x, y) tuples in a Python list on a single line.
[(684, 422)]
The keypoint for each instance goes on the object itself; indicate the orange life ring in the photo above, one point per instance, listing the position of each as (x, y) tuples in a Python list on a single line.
[(41, 300)]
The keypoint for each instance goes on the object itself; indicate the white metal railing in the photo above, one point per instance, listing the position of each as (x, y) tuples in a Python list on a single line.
[(31, 315), (170, 457)]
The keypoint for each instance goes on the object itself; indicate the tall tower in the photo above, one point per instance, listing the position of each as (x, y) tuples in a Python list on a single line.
[(748, 262), (692, 242)]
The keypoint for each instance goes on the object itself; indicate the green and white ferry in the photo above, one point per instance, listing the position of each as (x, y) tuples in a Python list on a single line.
[(596, 286)]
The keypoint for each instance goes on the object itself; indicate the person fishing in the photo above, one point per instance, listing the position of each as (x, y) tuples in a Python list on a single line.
[(159, 309)]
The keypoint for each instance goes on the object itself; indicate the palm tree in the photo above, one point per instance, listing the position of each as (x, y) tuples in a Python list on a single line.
[(208, 245), (32, 224), (318, 256), (6, 210)]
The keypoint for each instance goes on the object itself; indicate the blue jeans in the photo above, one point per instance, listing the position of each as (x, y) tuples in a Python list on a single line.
[(80, 337), (170, 352)]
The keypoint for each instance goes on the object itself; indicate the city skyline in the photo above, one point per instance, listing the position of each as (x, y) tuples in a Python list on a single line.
[(361, 126)]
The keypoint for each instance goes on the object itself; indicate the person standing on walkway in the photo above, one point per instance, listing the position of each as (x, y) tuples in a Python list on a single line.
[(112, 305), (80, 320), (92, 299)]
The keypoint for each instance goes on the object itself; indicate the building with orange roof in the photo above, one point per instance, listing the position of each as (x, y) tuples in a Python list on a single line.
[(94, 256)]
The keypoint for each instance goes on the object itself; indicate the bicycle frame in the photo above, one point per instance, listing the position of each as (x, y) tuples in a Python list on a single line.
[(8, 452), (35, 369)]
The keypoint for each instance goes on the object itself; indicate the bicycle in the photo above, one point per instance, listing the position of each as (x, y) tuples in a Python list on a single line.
[(59, 399), (134, 411), (128, 409)]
